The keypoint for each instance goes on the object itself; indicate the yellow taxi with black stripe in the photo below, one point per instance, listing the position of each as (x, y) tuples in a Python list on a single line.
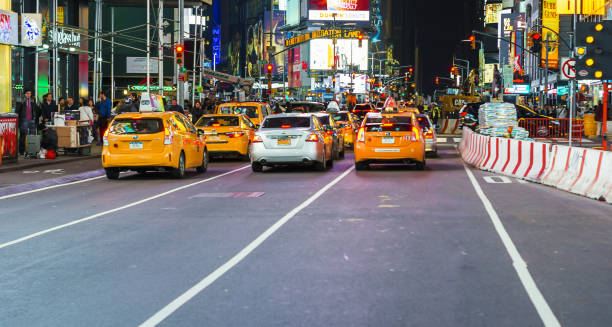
[(227, 134), (144, 141), (390, 138), (349, 124)]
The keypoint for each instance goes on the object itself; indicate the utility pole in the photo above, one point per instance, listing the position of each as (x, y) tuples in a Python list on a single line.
[(148, 45), (112, 92), (160, 49), (180, 85), (195, 52), (572, 107), (270, 49)]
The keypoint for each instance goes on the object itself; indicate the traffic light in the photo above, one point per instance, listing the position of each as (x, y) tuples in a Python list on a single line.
[(536, 41), (353, 75), (179, 49), (437, 80), (334, 81), (473, 41), (529, 40), (594, 50), (360, 38), (269, 69), (410, 70)]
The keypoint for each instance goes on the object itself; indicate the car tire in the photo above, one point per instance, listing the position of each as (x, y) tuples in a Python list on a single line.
[(180, 171), (202, 168), (256, 167), (321, 166), (112, 173), (421, 165), (361, 166)]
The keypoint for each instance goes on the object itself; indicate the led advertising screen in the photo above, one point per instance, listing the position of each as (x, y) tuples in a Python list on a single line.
[(345, 10), (348, 52)]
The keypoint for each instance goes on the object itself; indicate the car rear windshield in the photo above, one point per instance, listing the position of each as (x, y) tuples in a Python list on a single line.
[(388, 124), (362, 107), (137, 126), (249, 111), (220, 121), (324, 120), (341, 116), (304, 107), (423, 122), (286, 122)]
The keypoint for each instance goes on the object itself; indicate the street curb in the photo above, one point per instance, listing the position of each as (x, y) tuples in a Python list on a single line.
[(45, 163)]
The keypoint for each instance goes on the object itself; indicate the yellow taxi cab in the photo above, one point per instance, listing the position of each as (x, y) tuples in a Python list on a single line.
[(349, 123), (227, 134), (389, 138), (143, 141), (255, 111), (409, 109)]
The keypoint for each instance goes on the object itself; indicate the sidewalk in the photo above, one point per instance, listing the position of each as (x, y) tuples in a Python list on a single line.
[(24, 163)]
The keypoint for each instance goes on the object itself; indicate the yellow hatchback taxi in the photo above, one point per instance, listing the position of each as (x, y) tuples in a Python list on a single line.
[(349, 124), (227, 134), (144, 141), (389, 138), (255, 111)]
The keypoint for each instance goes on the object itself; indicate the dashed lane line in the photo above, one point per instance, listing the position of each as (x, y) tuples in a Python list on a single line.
[(537, 299), (166, 311), (104, 213)]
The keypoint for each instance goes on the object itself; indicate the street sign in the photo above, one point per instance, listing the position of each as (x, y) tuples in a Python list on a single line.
[(568, 68)]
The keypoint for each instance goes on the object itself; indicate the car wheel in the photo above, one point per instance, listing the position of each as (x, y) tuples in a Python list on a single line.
[(204, 166), (180, 171), (321, 166), (257, 167), (112, 173), (421, 165), (361, 166)]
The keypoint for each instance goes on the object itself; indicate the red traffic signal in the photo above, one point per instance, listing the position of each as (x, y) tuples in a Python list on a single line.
[(410, 70), (360, 37), (536, 36), (179, 48), (269, 68), (473, 42), (437, 80)]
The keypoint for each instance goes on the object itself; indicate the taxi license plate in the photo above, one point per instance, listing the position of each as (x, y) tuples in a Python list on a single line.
[(284, 142), (135, 145), (388, 140)]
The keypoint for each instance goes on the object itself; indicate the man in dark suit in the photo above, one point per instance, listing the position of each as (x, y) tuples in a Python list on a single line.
[(28, 113)]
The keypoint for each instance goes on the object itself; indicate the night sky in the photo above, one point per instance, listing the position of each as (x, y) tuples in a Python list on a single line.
[(441, 25)]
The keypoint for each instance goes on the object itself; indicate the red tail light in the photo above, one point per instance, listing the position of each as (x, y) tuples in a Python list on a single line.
[(285, 126), (312, 138), (429, 134), (234, 135), (257, 139), (361, 135), (415, 134), (330, 132)]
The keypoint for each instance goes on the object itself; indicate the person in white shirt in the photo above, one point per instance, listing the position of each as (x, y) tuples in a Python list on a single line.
[(85, 111)]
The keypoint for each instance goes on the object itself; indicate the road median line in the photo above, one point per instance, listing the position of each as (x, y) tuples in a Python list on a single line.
[(100, 214), (166, 311)]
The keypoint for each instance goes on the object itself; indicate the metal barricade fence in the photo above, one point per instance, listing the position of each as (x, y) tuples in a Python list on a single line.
[(545, 129)]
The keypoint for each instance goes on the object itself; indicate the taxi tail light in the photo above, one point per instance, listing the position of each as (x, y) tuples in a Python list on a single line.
[(234, 135), (415, 134), (312, 138), (105, 138), (257, 139), (285, 126), (330, 132), (361, 135), (168, 135)]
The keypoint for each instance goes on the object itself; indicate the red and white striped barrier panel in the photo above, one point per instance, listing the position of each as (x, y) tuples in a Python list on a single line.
[(586, 172), (449, 126)]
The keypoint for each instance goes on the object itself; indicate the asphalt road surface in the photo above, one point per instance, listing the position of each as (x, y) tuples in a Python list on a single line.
[(448, 246)]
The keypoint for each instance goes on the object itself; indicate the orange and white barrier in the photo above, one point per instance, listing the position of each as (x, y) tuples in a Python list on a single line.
[(578, 170), (449, 126)]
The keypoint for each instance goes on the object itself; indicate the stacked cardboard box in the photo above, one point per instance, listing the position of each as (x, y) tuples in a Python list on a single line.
[(66, 136)]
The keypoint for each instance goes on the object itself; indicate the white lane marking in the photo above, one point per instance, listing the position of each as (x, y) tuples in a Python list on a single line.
[(98, 215), (441, 140), (49, 187), (536, 297), (54, 171), (497, 179), (166, 311)]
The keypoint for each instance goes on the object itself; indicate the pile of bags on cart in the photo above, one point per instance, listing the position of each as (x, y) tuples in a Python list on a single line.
[(499, 119)]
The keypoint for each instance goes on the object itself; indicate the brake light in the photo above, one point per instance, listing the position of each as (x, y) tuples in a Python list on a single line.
[(387, 125), (429, 134), (216, 125), (361, 135), (257, 139), (285, 126), (312, 138), (105, 138), (330, 132), (168, 135), (415, 134), (234, 135)]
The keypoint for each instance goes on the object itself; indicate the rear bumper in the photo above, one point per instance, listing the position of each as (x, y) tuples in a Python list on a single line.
[(234, 146), (163, 159), (309, 153), (430, 146), (411, 153)]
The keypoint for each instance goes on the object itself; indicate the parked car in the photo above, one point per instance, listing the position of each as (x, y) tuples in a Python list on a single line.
[(291, 139), (153, 141)]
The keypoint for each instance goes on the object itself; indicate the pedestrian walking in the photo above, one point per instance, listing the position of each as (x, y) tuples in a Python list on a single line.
[(28, 116), (104, 115), (196, 112)]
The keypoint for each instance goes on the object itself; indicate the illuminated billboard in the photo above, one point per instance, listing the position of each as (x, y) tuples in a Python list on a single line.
[(348, 52), (344, 10)]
